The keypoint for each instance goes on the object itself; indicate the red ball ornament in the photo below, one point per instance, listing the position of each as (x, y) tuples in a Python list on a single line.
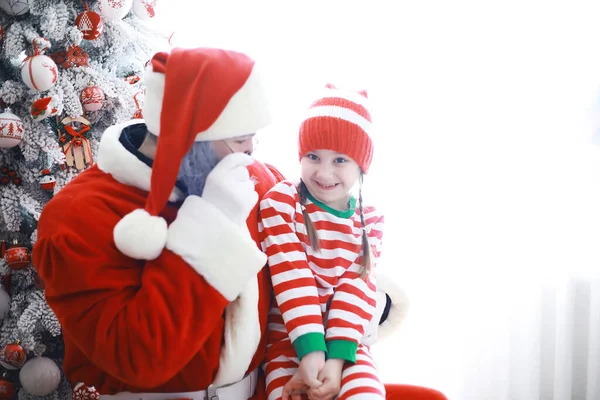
[(82, 392), (7, 389), (90, 24), (13, 356), (17, 257), (92, 98), (47, 180)]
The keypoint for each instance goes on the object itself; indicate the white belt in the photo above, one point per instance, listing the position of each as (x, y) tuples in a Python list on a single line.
[(240, 390)]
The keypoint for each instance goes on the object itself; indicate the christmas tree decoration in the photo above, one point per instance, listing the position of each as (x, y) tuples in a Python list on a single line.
[(40, 376), (9, 176), (90, 24), (1, 33), (7, 388), (43, 108), (82, 392), (47, 180), (138, 112), (92, 97), (14, 7), (17, 256), (115, 9), (132, 79), (144, 9), (12, 356), (39, 72), (40, 155), (11, 129), (77, 149), (4, 303)]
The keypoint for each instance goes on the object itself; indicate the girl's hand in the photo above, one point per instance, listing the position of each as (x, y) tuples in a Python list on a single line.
[(331, 376), (306, 376)]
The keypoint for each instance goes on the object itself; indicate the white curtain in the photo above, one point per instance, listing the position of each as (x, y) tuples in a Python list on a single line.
[(486, 167)]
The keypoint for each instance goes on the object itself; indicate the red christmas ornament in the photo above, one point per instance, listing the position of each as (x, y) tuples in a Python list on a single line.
[(17, 181), (17, 257), (4, 170), (13, 356), (43, 108), (82, 392), (90, 24), (92, 98), (132, 79), (1, 33), (7, 389), (47, 180), (4, 180)]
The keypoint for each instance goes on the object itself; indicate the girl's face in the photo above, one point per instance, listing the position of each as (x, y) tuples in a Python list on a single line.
[(329, 177)]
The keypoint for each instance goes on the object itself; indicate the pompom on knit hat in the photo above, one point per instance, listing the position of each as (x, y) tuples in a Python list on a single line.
[(192, 95), (339, 121)]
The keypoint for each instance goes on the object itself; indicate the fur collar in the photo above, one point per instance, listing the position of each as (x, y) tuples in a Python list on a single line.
[(125, 167)]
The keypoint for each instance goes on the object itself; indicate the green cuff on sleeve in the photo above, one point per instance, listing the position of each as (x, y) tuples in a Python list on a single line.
[(342, 349), (308, 343)]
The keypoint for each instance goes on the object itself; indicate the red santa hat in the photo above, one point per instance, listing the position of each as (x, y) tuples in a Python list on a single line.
[(191, 95)]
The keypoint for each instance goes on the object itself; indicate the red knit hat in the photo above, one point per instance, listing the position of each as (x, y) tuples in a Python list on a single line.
[(339, 121), (191, 95)]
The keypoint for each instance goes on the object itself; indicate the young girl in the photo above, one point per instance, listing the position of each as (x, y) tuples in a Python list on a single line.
[(322, 244)]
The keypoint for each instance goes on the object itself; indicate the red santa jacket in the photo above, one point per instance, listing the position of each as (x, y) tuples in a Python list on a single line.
[(148, 326)]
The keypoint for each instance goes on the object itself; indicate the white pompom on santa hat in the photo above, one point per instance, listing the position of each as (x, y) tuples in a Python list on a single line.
[(191, 95)]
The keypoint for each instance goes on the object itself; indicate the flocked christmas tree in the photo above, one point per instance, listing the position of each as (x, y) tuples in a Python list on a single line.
[(68, 70)]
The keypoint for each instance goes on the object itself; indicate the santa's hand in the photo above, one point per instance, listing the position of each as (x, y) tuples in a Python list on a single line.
[(230, 189)]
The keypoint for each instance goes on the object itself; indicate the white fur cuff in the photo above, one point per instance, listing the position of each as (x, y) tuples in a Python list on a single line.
[(219, 250), (398, 309)]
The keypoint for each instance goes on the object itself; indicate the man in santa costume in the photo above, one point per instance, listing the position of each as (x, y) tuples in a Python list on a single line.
[(150, 258)]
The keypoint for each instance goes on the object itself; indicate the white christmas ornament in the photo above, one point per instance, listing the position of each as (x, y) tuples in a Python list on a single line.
[(39, 376), (144, 9), (11, 129), (14, 7), (115, 9), (4, 303), (39, 72)]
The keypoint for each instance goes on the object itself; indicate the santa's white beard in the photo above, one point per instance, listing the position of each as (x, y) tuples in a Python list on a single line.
[(195, 167)]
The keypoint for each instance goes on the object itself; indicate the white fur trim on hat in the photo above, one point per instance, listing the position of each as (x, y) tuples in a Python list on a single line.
[(140, 235), (155, 92), (398, 309), (247, 110)]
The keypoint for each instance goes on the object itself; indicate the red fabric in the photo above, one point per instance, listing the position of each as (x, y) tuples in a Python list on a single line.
[(199, 83), (410, 392), (130, 325)]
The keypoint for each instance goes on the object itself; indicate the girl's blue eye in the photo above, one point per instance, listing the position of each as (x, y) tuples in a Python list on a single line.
[(340, 160), (312, 157)]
